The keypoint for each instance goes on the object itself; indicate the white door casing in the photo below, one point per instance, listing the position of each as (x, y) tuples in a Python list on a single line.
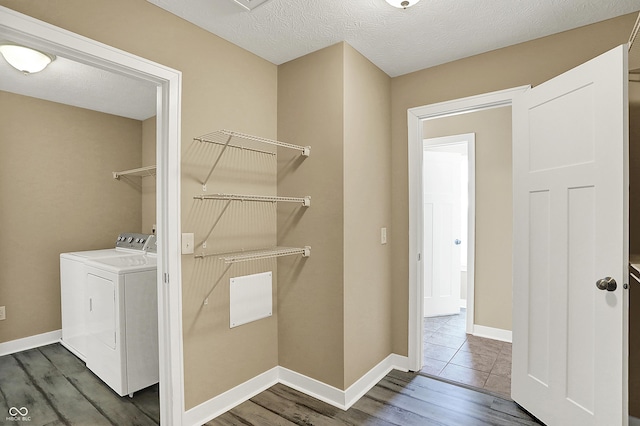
[(570, 172), (442, 204), (415, 123)]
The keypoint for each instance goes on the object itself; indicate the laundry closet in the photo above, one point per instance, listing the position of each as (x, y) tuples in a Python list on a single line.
[(60, 195)]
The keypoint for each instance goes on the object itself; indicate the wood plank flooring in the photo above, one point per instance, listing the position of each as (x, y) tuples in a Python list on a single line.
[(402, 399), (58, 389)]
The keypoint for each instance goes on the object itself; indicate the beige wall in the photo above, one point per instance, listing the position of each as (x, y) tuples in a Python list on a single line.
[(367, 208), (527, 63), (58, 195), (493, 208), (311, 301), (334, 315), (223, 87), (148, 183)]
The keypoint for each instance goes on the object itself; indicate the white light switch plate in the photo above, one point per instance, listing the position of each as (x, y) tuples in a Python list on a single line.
[(187, 243), (383, 235)]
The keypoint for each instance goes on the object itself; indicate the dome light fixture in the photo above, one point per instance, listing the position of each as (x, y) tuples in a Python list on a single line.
[(402, 4), (24, 59)]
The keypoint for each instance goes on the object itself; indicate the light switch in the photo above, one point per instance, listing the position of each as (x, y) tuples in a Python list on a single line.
[(187, 243), (383, 235)]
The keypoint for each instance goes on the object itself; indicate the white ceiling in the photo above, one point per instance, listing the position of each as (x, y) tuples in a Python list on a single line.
[(397, 41), (72, 83)]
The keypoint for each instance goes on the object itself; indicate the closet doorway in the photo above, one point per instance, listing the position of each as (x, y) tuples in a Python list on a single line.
[(28, 31)]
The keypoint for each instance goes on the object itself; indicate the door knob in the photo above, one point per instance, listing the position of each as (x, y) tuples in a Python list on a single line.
[(458, 242), (607, 283)]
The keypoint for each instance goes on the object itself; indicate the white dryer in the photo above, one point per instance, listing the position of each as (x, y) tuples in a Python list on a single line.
[(122, 323), (73, 287)]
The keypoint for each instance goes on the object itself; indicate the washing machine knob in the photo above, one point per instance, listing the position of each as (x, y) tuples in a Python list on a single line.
[(129, 239)]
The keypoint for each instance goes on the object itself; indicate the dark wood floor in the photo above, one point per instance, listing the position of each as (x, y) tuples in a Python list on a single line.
[(58, 389)]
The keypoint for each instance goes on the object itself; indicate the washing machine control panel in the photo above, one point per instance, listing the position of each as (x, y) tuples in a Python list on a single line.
[(130, 240)]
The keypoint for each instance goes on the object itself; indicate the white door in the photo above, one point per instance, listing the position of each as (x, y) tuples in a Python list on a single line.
[(442, 204), (571, 182)]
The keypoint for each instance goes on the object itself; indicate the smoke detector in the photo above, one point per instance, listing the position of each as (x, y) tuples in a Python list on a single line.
[(250, 4)]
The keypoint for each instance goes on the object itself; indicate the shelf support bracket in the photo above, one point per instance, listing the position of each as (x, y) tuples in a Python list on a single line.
[(225, 146)]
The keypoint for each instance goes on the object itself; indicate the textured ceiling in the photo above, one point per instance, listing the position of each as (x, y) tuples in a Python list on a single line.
[(398, 41), (72, 83)]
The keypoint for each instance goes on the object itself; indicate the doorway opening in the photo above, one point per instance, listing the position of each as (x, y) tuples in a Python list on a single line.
[(31, 32), (418, 120)]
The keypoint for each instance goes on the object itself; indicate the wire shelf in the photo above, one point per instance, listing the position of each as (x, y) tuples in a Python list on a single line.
[(246, 256), (220, 138), (305, 201), (142, 171)]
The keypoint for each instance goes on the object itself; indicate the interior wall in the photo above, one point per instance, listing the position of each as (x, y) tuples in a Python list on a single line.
[(367, 209), (494, 223), (58, 195), (225, 87), (311, 301), (148, 184), (532, 63)]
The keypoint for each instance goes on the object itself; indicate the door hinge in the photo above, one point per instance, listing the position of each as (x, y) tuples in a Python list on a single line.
[(419, 257), (166, 278)]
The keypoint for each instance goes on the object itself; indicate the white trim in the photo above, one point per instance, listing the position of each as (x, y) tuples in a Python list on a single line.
[(19, 345), (314, 388), (224, 402), (339, 398), (463, 305), (370, 379), (492, 333), (415, 116), (24, 29), (634, 421), (469, 139)]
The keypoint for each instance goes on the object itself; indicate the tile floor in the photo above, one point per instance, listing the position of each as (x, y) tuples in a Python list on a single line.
[(452, 354)]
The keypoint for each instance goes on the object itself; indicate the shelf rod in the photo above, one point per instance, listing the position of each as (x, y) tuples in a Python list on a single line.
[(259, 254), (306, 201), (141, 171)]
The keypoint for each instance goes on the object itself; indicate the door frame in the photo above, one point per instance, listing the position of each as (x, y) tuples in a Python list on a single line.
[(24, 29), (415, 118), (470, 140)]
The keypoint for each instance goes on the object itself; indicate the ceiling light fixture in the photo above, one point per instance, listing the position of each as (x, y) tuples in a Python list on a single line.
[(402, 4), (24, 59)]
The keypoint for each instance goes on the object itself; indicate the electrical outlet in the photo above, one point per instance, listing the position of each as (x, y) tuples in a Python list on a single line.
[(3, 313)]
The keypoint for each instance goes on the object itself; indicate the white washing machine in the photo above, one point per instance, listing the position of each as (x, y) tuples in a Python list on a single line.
[(122, 323), (73, 293)]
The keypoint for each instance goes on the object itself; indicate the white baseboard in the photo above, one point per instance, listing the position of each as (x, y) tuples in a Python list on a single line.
[(492, 333), (312, 387), (222, 403), (634, 421), (463, 303), (30, 342), (369, 380)]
